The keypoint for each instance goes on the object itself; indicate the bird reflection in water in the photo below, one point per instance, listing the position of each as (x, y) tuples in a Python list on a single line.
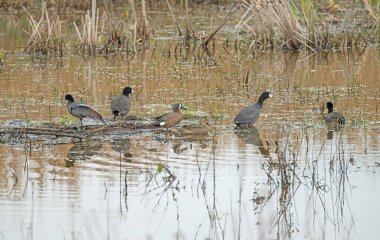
[(331, 130), (252, 136), (81, 151), (330, 134), (122, 146), (200, 129), (197, 132)]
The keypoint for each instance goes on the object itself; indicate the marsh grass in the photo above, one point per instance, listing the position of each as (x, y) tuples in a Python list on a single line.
[(263, 25), (373, 10), (294, 26), (3, 56), (45, 35), (69, 5), (178, 32), (296, 162), (117, 40), (98, 33), (141, 28), (12, 4), (88, 35)]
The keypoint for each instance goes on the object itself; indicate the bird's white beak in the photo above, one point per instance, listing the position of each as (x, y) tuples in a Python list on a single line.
[(270, 95)]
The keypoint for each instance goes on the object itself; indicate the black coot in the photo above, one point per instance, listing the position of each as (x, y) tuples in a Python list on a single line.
[(333, 118), (249, 115), (81, 110), (121, 105)]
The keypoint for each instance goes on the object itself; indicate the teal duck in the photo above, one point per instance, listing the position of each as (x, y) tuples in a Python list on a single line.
[(169, 120), (202, 128)]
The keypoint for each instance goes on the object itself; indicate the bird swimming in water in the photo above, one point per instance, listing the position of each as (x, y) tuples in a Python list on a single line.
[(201, 128), (249, 115), (169, 120), (121, 105), (333, 118), (80, 110)]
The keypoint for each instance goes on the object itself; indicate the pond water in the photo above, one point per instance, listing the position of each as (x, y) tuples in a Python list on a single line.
[(287, 178)]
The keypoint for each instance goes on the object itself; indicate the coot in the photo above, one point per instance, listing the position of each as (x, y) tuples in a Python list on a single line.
[(121, 105), (333, 118), (81, 110), (249, 115)]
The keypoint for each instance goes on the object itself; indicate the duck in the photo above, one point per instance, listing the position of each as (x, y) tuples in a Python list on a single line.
[(333, 118), (202, 128), (121, 105), (249, 115), (171, 119), (80, 110)]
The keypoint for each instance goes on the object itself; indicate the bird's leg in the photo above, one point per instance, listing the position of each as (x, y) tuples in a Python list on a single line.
[(80, 125)]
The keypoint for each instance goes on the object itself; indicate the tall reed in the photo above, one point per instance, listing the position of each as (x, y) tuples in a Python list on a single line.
[(89, 33), (295, 25), (45, 35), (374, 12)]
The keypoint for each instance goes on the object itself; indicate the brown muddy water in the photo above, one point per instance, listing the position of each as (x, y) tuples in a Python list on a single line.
[(224, 185), (288, 178)]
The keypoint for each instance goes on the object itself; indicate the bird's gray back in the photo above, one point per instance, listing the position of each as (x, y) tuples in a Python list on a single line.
[(335, 117), (122, 104), (248, 115)]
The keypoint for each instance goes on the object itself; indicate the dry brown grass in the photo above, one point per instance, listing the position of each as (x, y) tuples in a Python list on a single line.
[(45, 35), (98, 33), (374, 14), (88, 35), (278, 17), (12, 4), (117, 40), (293, 26), (283, 24)]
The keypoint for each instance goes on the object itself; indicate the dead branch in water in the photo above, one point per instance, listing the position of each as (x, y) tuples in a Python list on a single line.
[(40, 131), (228, 16), (91, 131), (189, 28), (179, 33), (88, 35), (143, 27), (134, 26)]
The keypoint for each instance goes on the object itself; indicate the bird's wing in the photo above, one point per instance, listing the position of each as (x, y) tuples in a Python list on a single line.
[(248, 114), (86, 111), (162, 118), (172, 119), (335, 117)]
